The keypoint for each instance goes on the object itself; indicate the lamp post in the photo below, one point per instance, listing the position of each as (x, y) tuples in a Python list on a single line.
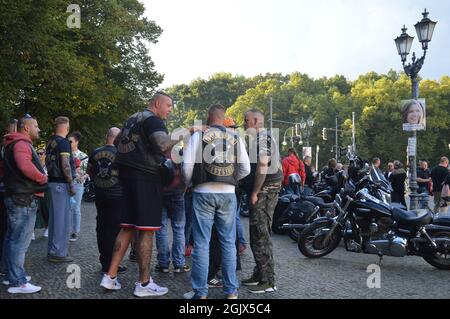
[(424, 29), (305, 128)]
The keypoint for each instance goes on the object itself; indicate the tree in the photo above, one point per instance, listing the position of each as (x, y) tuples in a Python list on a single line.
[(96, 75)]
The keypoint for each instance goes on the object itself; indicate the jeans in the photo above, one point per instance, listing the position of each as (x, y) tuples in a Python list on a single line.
[(75, 207), (240, 229), (220, 210), (174, 209), (189, 213), (21, 220), (59, 221)]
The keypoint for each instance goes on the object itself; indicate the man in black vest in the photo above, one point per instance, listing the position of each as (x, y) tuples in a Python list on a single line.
[(141, 145), (61, 172), (25, 180), (214, 161), (108, 197), (265, 180)]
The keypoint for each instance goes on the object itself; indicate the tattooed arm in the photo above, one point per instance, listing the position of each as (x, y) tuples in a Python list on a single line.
[(260, 177), (163, 141), (67, 172)]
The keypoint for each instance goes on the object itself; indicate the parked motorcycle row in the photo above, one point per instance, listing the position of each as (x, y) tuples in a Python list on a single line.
[(357, 210)]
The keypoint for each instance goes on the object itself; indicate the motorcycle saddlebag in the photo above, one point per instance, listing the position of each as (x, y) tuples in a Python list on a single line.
[(299, 212)]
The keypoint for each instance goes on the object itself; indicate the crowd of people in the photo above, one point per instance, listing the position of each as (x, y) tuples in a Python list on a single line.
[(141, 187), (137, 194)]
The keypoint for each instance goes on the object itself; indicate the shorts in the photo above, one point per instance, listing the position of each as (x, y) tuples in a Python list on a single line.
[(144, 206)]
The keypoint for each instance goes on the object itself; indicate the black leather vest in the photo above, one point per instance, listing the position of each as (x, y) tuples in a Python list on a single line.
[(134, 149), (15, 181), (53, 160), (218, 162), (104, 171)]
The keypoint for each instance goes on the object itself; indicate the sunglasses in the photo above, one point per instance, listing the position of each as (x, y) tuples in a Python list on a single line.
[(27, 116), (40, 153)]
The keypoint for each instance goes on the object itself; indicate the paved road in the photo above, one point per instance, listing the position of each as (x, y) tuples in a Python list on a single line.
[(339, 275)]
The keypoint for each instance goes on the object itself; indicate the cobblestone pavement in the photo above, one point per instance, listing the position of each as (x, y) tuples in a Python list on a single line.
[(339, 275)]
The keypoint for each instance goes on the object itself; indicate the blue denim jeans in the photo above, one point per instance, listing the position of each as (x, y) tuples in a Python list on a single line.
[(218, 209), (21, 220), (189, 213), (173, 210), (75, 207), (240, 230)]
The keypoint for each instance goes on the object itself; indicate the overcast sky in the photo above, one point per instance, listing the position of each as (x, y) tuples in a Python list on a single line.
[(320, 37)]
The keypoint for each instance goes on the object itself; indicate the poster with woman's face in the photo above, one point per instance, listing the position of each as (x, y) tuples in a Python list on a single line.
[(414, 115)]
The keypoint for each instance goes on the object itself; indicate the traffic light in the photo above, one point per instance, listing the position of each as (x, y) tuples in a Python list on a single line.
[(324, 134)]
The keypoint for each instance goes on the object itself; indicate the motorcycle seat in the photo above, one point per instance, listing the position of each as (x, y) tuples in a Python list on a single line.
[(442, 221), (319, 202), (419, 217)]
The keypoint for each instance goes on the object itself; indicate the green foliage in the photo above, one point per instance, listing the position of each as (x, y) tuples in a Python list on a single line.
[(375, 99), (96, 75)]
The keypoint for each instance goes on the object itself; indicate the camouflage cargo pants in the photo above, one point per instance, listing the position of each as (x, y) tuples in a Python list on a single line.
[(261, 215)]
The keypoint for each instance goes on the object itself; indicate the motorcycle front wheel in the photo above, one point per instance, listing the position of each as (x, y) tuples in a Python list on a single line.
[(440, 259), (311, 242)]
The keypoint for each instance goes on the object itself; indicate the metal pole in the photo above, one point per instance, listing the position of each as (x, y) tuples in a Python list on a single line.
[(414, 200), (337, 156), (317, 158), (353, 134)]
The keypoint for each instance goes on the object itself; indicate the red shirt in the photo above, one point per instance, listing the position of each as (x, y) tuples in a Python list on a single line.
[(292, 165)]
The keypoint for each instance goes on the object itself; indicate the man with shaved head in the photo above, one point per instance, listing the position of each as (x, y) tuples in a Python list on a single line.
[(108, 197), (214, 161), (25, 181), (263, 185), (141, 145)]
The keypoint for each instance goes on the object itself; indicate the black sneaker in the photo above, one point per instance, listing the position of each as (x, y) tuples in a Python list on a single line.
[(164, 270), (185, 268), (58, 259), (252, 281), (73, 237), (262, 287)]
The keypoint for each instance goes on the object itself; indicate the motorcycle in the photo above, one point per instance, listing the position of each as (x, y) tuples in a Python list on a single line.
[(372, 226), (294, 211)]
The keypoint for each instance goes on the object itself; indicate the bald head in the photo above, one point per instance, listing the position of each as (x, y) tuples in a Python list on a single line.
[(254, 119), (111, 135), (28, 126)]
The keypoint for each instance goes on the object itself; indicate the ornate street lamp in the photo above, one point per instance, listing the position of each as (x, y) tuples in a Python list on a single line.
[(424, 29)]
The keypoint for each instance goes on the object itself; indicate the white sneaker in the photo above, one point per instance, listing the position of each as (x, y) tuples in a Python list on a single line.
[(33, 237), (152, 289), (110, 284), (46, 232), (24, 289), (6, 282)]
